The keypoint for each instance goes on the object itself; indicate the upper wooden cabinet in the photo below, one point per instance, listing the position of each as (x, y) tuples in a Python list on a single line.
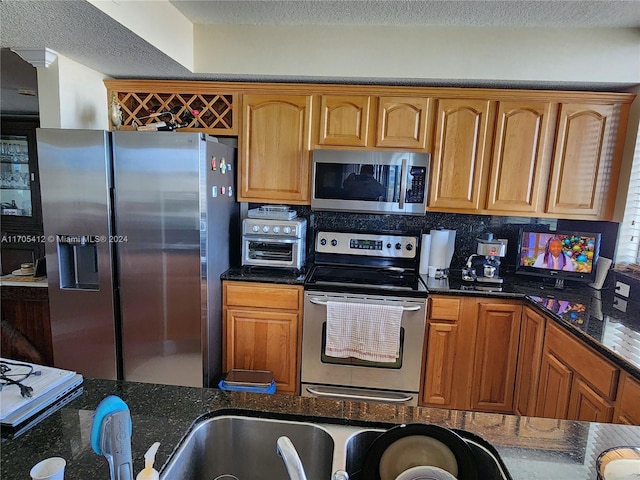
[(344, 120), (585, 163), (370, 121), (459, 159), (521, 156), (274, 149)]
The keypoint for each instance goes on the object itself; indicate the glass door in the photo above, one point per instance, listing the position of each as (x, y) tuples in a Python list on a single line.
[(15, 176)]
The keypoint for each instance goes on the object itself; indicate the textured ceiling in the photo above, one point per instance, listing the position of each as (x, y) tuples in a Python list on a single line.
[(525, 13), (81, 32)]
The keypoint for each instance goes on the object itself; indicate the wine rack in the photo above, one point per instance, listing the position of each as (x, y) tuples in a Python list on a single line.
[(216, 111)]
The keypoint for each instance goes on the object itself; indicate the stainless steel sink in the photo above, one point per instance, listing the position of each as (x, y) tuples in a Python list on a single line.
[(245, 447), (490, 466)]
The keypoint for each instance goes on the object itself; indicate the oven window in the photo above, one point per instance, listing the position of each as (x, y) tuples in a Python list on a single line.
[(366, 182), (356, 361), (270, 251)]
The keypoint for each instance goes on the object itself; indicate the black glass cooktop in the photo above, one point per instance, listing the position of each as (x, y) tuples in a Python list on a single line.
[(383, 278)]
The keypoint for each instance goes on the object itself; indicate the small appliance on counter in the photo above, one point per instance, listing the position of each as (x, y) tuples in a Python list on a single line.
[(483, 267), (273, 236)]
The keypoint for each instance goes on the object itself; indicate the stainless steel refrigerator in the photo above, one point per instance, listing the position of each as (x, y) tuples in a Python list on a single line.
[(138, 228)]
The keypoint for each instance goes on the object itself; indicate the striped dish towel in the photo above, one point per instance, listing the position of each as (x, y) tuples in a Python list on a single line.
[(365, 331)]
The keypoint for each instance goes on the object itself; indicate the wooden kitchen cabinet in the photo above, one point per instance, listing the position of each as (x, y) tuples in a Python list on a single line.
[(576, 382), (262, 328), (344, 120), (372, 121), (529, 361), (461, 150), (274, 149), (586, 162), (519, 171), (627, 409), (494, 372), (471, 352), (26, 324)]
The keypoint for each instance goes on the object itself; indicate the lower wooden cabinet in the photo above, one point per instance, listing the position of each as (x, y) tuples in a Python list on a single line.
[(529, 361), (627, 408), (576, 383), (26, 325), (471, 353), (262, 328)]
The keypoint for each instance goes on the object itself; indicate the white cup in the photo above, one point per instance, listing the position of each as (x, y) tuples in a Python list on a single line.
[(432, 271), (49, 469)]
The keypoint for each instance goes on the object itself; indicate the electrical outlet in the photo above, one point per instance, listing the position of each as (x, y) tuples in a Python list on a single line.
[(622, 289), (619, 304)]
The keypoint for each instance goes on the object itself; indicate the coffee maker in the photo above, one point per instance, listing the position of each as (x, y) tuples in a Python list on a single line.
[(483, 267)]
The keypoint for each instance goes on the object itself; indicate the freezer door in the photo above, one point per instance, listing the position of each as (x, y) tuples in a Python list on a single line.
[(157, 226), (75, 180)]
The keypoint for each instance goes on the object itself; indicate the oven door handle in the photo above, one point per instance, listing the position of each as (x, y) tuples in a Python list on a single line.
[(413, 308), (270, 239), (333, 393)]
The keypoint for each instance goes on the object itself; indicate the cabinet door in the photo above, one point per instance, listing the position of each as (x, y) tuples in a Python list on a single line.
[(461, 147), (586, 405), (439, 381), (344, 120), (521, 157), (274, 149), (628, 406), (402, 122), (554, 389), (582, 170), (264, 340), (496, 356), (529, 361)]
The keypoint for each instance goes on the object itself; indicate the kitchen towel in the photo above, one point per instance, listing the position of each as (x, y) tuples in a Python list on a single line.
[(425, 251), (439, 248), (365, 331)]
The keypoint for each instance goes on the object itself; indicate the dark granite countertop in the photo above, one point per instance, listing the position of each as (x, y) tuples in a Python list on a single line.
[(264, 274), (530, 448)]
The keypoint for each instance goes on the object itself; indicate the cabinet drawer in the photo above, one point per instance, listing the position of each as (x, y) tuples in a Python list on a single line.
[(259, 295), (601, 374), (444, 308)]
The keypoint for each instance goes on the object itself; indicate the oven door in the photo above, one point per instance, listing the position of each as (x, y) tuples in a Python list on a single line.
[(321, 370), (271, 251)]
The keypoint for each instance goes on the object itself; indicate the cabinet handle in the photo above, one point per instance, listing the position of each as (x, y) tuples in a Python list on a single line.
[(403, 183)]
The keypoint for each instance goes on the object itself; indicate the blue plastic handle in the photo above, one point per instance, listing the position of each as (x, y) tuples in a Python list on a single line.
[(110, 404)]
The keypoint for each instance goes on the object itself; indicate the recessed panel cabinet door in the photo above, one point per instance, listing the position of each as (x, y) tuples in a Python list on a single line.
[(521, 157), (402, 122), (587, 405), (529, 361), (461, 147), (274, 149), (554, 389), (584, 163)]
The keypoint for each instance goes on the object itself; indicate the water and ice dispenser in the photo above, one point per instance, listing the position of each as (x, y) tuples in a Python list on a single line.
[(78, 262)]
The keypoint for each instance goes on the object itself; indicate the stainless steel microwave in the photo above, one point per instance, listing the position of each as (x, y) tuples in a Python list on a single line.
[(370, 181)]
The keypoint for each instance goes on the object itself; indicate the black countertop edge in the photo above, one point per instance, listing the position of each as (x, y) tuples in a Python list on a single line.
[(166, 414), (285, 276)]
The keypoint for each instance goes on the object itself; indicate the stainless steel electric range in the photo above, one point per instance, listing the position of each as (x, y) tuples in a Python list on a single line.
[(364, 269)]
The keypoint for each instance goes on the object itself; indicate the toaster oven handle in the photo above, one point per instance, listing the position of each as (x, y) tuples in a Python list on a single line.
[(403, 183), (413, 308)]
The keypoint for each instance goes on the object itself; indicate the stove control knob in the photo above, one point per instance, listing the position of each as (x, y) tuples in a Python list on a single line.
[(388, 245), (287, 230), (398, 246), (265, 229), (409, 247), (334, 242), (323, 241), (255, 228), (276, 229)]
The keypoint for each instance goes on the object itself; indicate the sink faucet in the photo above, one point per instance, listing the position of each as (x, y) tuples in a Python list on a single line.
[(293, 464), (290, 458)]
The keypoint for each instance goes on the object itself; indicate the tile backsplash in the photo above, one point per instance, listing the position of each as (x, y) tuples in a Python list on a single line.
[(468, 228)]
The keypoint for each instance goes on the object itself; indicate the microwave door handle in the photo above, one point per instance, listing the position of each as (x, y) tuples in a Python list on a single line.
[(403, 183)]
